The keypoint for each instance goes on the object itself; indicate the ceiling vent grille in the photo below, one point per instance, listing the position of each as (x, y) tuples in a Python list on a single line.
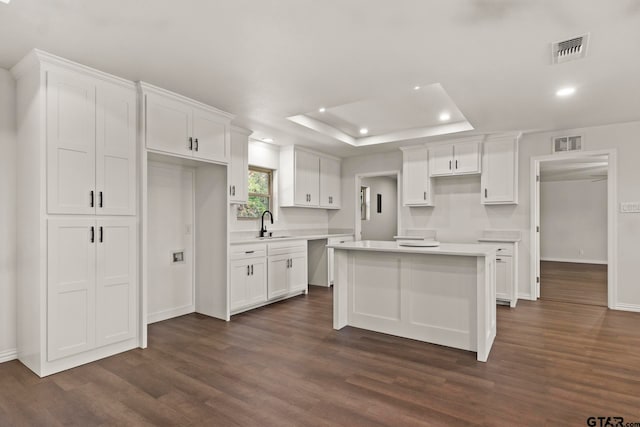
[(564, 144), (569, 50)]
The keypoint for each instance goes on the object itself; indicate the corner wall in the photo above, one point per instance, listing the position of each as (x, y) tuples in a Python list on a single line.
[(7, 217)]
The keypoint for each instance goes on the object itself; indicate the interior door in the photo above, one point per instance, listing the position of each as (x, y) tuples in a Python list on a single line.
[(278, 271), (116, 150), (441, 160), (466, 158), (329, 183), (71, 143), (536, 228), (211, 136), (168, 125), (298, 278), (116, 280), (240, 272), (307, 178), (71, 273)]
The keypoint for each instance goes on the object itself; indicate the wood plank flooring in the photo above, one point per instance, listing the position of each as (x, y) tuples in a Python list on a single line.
[(574, 283), (552, 364)]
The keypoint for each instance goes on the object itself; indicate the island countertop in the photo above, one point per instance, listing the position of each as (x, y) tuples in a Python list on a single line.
[(459, 249)]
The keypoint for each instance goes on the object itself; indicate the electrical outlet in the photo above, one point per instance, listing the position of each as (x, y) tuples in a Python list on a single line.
[(630, 207)]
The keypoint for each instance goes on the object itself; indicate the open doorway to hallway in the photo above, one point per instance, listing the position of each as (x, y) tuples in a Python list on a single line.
[(573, 230), (378, 216)]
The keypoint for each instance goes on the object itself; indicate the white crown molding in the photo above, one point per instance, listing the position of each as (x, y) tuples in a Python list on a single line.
[(244, 131)]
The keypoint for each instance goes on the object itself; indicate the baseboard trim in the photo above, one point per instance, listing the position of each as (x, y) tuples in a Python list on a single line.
[(8, 355), (170, 314), (575, 261), (628, 307)]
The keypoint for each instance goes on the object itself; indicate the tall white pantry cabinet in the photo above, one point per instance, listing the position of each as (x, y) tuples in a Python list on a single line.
[(77, 210)]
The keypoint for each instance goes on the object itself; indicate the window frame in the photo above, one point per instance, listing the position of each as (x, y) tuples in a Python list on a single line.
[(269, 196)]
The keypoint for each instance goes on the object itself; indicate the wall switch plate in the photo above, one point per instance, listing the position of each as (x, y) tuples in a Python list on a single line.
[(630, 207), (177, 256)]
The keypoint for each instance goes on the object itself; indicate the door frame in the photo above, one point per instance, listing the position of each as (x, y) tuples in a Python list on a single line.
[(612, 219), (358, 183)]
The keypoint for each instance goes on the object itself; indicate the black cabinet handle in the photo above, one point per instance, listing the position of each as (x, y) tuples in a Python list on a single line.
[(92, 203), (249, 252), (196, 141), (252, 269), (485, 193), (449, 164), (425, 195), (100, 199), (191, 143), (456, 165), (499, 259), (234, 190), (248, 270), (93, 234), (101, 235)]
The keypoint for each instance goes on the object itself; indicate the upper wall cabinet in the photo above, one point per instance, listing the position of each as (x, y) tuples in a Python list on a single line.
[(461, 157), (500, 170), (238, 165), (91, 145), (309, 179), (174, 124), (416, 183)]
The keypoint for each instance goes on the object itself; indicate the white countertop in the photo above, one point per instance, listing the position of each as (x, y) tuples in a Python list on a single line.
[(460, 249), (284, 239), (499, 240)]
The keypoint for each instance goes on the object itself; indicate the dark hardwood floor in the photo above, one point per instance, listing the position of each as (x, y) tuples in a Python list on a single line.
[(574, 283), (552, 364)]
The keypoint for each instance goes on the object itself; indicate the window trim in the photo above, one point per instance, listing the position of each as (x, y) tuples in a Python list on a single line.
[(270, 195)]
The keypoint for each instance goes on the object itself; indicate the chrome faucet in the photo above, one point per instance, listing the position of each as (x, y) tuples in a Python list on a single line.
[(263, 229)]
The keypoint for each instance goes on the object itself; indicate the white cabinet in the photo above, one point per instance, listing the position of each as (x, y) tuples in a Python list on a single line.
[(331, 254), (77, 271), (455, 158), (91, 145), (91, 292), (416, 183), (506, 271), (278, 283), (238, 165), (297, 275), (499, 180), (330, 184), (177, 125), (309, 179), (248, 282), (287, 268)]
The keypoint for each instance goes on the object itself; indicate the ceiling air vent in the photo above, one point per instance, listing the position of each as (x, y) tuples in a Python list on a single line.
[(569, 50), (564, 144)]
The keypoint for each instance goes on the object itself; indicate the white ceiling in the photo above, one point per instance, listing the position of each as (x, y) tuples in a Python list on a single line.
[(265, 60)]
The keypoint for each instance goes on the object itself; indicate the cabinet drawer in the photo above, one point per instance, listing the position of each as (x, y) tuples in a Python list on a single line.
[(292, 246), (504, 250), (338, 240), (252, 250)]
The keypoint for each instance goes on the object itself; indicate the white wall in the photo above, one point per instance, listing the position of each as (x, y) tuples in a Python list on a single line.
[(459, 216), (170, 228), (381, 226), (268, 156), (7, 216), (573, 221)]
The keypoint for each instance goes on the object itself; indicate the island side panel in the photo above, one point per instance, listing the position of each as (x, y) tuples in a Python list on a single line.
[(341, 267), (486, 296)]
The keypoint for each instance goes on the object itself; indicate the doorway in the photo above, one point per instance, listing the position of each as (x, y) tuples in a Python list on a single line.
[(378, 216), (573, 228)]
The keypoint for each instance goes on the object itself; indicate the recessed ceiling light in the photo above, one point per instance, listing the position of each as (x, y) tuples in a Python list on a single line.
[(416, 88), (445, 117), (267, 139), (322, 109), (364, 131), (566, 91)]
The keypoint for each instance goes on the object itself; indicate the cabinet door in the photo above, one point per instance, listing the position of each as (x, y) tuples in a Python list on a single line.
[(298, 278), (441, 160), (466, 158), (238, 168), (257, 283), (240, 272), (278, 271), (499, 172), (116, 150), (415, 171), (330, 190), (116, 280), (168, 125), (504, 279), (71, 143), (307, 178), (211, 139), (71, 272)]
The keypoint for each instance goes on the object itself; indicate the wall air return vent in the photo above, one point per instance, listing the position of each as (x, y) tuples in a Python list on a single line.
[(569, 50), (564, 144)]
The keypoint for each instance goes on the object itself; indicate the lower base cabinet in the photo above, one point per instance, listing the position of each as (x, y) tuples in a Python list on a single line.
[(266, 272)]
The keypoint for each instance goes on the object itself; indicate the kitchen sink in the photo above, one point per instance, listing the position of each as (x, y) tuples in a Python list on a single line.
[(273, 237)]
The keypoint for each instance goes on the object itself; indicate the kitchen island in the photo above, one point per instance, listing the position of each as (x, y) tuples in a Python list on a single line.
[(443, 295)]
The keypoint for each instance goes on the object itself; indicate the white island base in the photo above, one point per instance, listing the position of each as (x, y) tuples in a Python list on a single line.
[(443, 295)]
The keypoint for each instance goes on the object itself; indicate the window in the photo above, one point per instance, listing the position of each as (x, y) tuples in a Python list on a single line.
[(260, 193)]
